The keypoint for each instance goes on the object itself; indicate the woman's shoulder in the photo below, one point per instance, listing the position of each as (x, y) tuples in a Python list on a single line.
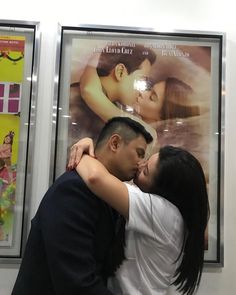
[(135, 192), (164, 210)]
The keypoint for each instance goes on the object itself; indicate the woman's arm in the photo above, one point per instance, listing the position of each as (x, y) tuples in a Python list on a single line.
[(93, 95), (103, 184)]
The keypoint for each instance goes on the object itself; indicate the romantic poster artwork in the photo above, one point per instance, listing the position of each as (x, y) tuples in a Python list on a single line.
[(172, 95), (18, 52), (170, 82)]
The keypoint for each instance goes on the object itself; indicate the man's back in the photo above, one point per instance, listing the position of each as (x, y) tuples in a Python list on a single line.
[(69, 242)]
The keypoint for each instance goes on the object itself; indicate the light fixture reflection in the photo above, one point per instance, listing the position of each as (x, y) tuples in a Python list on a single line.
[(140, 85)]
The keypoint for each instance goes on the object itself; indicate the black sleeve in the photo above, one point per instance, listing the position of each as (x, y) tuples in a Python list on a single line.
[(68, 222)]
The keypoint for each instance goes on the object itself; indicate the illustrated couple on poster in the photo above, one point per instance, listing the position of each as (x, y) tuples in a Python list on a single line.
[(167, 87)]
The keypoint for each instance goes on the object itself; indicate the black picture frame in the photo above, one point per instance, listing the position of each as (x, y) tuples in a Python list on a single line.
[(196, 58), (16, 193)]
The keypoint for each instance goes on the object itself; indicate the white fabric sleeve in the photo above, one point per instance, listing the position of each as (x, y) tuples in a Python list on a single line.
[(154, 216)]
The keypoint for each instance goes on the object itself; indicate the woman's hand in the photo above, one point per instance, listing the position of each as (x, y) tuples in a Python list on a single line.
[(83, 146)]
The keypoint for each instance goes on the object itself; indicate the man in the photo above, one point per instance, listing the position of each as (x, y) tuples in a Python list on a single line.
[(119, 69), (71, 236)]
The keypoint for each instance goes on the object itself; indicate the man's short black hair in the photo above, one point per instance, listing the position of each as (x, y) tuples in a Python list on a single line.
[(113, 55), (127, 128)]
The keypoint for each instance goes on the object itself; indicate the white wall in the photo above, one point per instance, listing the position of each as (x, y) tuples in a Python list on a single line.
[(205, 15)]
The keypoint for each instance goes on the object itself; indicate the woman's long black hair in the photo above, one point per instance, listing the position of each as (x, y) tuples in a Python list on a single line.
[(180, 179)]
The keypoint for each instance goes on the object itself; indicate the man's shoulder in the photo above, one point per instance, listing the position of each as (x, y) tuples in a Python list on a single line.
[(68, 176), (68, 193), (70, 184), (70, 181)]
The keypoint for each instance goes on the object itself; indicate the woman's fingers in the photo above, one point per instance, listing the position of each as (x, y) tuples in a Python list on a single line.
[(84, 145)]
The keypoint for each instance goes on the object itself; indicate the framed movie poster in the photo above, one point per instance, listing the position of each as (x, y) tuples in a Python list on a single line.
[(18, 65), (172, 82)]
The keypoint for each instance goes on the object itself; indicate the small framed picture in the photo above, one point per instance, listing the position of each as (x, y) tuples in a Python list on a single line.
[(172, 82)]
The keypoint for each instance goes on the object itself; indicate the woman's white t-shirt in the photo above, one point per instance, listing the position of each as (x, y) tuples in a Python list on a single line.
[(154, 238)]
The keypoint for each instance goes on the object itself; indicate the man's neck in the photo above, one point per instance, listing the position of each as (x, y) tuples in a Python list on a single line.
[(104, 157), (109, 87)]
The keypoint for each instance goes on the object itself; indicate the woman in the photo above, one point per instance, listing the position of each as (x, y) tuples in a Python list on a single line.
[(167, 99), (6, 148), (166, 219)]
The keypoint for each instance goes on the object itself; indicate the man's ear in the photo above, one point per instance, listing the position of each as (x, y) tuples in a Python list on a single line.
[(114, 142), (120, 71)]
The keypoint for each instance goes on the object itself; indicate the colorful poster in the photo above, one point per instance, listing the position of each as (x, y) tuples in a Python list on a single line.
[(11, 77), (9, 139)]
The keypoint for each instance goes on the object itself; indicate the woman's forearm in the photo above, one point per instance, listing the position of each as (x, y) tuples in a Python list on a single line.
[(104, 185)]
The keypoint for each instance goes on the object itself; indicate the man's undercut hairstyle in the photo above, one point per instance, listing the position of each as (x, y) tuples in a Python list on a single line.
[(131, 56), (127, 128)]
